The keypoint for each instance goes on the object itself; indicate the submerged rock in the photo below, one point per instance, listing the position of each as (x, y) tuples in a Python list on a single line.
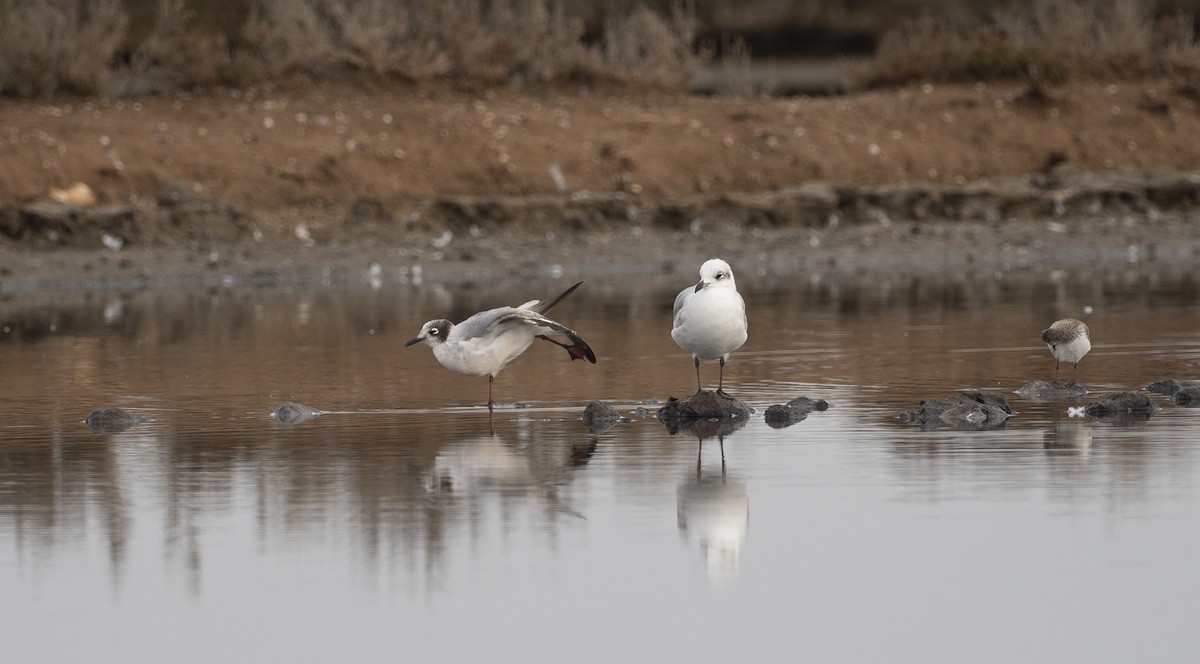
[(289, 413), (1134, 406), (598, 416), (1188, 397), (703, 405), (112, 420), (1040, 390), (796, 410), (1173, 388), (967, 410)]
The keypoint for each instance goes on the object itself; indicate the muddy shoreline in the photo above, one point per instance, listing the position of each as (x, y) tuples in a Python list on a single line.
[(338, 185), (1080, 222)]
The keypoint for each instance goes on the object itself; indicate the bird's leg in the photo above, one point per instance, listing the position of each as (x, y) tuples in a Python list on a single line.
[(1074, 370), (1056, 371), (698, 388), (491, 404), (721, 379)]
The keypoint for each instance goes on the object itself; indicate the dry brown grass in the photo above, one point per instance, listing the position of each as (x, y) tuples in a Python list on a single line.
[(1051, 40), (54, 46), (79, 46)]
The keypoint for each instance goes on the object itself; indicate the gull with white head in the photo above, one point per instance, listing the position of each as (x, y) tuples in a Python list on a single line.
[(710, 318)]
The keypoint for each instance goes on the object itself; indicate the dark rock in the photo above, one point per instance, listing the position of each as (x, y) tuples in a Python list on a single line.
[(368, 214), (599, 416), (1170, 387), (1115, 404), (785, 415), (703, 405), (289, 413), (706, 428), (200, 215), (112, 420), (50, 223), (966, 410), (1188, 396), (1040, 390)]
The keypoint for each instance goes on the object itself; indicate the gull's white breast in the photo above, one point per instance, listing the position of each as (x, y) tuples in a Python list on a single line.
[(711, 323)]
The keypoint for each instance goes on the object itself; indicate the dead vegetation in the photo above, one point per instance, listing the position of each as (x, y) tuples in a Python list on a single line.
[(75, 46), (120, 48), (1047, 40)]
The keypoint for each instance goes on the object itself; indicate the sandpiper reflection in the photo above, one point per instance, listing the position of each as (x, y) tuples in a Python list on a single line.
[(1069, 434), (713, 506)]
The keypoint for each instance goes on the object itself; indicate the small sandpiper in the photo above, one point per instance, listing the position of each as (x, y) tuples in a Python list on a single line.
[(1068, 340)]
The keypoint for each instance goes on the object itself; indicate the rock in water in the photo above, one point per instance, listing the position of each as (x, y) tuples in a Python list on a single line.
[(1040, 390), (1182, 392), (1188, 397), (289, 413), (1132, 405), (112, 420), (599, 416), (796, 410), (969, 410), (703, 405)]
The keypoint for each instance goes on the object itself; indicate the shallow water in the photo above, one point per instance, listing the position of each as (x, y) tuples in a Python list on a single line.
[(395, 526)]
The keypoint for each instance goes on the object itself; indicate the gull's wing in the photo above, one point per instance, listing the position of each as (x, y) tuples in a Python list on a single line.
[(547, 329), (679, 301), (544, 306)]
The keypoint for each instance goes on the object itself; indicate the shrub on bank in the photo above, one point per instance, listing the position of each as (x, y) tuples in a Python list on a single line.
[(1051, 40), (81, 46)]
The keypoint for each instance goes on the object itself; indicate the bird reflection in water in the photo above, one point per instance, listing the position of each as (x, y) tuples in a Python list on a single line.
[(476, 467), (1069, 434), (713, 507)]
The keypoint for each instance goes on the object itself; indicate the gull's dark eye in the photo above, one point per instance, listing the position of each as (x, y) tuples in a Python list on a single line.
[(434, 331), (720, 276)]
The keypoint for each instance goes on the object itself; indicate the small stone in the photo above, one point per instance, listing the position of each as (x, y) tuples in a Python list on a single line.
[(1132, 405), (289, 413), (1188, 396), (796, 410), (599, 416), (966, 410), (1040, 390), (112, 420)]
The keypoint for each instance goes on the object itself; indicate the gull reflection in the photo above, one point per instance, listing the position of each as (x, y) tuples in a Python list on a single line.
[(713, 506), (476, 467)]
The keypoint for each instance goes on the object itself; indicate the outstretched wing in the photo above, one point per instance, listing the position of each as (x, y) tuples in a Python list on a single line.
[(548, 330), (544, 306)]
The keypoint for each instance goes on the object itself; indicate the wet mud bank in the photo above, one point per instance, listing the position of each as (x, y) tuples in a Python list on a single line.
[(189, 236)]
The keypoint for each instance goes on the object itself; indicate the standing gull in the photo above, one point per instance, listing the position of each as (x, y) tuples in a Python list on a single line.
[(710, 318), (1068, 340), (484, 343)]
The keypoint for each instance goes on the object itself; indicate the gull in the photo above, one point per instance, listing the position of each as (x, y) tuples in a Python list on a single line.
[(710, 317), (484, 343), (1068, 340)]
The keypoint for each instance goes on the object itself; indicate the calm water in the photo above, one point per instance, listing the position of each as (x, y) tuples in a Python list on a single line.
[(395, 527)]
